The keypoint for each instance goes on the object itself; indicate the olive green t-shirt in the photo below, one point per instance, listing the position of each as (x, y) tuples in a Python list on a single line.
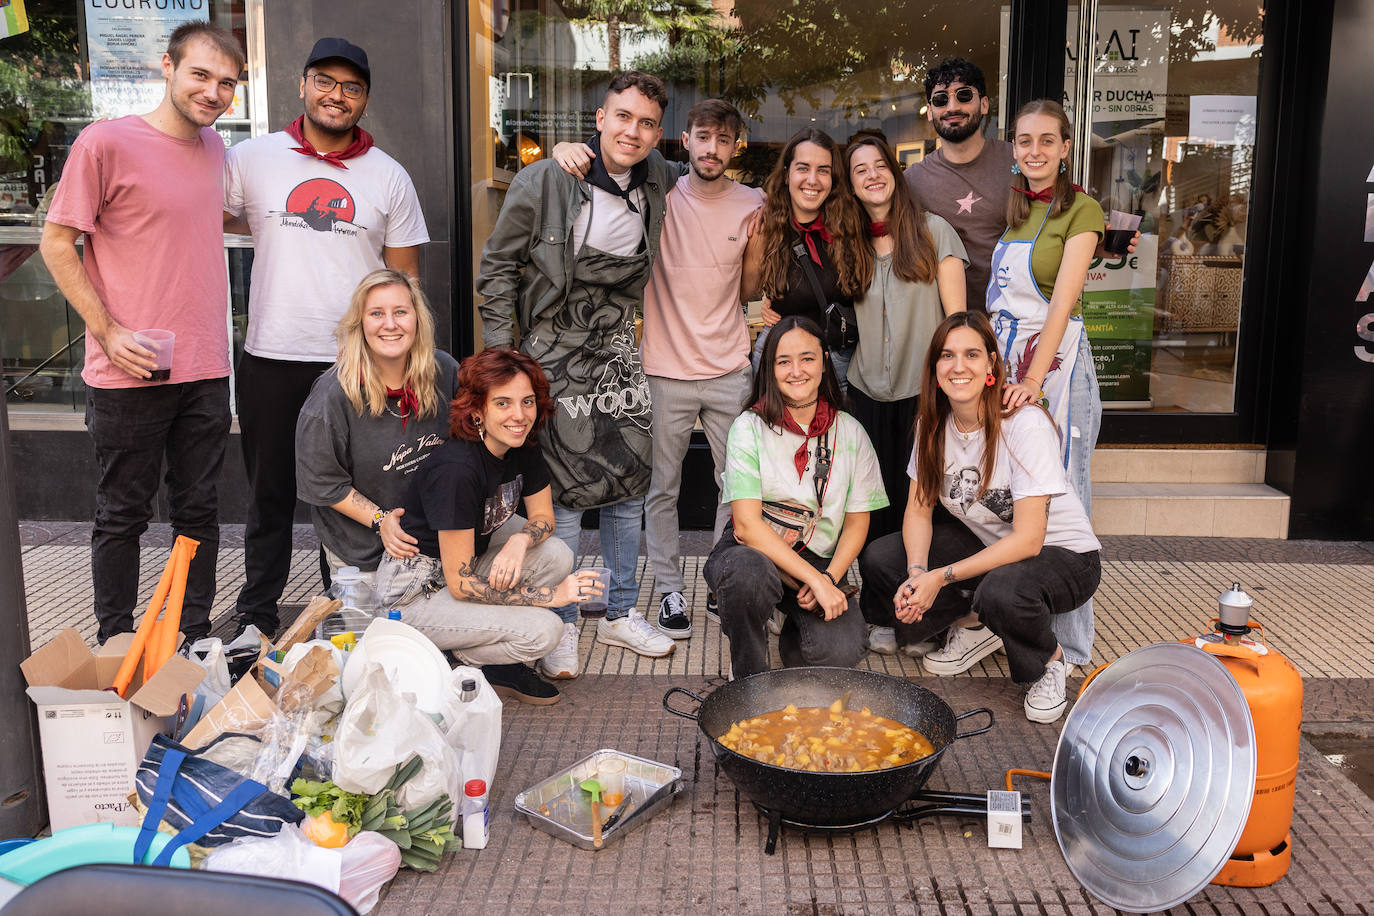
[(1084, 215)]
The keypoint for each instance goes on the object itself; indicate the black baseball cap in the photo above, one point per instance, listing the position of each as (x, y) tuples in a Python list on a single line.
[(340, 49)]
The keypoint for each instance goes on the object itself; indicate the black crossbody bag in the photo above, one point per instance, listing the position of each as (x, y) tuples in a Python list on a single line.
[(841, 323)]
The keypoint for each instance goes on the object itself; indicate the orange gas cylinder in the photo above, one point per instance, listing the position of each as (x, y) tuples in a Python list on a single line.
[(1273, 689)]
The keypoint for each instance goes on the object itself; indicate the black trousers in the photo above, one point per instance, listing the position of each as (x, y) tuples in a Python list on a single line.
[(270, 395), (1015, 601), (134, 429), (889, 427), (748, 587)]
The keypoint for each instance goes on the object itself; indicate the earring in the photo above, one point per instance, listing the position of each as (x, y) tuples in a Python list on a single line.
[(990, 381), (481, 430), (1016, 168), (1063, 167)]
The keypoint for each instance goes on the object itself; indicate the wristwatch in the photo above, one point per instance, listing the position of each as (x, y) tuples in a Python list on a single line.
[(377, 520)]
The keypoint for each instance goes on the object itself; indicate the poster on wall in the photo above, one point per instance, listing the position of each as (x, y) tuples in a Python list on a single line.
[(126, 47), (1118, 316)]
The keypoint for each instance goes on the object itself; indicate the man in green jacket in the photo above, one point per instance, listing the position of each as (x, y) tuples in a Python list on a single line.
[(568, 262)]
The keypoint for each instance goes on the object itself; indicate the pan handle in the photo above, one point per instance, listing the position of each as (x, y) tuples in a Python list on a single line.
[(678, 712), (973, 712)]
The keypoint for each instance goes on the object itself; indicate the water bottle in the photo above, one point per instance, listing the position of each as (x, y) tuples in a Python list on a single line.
[(475, 814), (359, 605)]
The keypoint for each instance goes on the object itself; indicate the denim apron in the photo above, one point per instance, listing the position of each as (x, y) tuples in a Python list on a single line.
[(597, 442), (1018, 310)]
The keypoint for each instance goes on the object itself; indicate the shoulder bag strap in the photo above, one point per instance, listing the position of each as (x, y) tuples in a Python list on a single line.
[(802, 255)]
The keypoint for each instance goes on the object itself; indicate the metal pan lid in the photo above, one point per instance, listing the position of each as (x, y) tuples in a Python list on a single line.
[(1153, 777)]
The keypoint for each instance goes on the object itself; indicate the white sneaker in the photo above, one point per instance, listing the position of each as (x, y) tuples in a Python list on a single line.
[(964, 647), (775, 622), (562, 662), (635, 633), (882, 640), (919, 649), (1047, 699)]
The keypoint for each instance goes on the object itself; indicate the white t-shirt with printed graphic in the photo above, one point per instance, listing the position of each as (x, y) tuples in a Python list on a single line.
[(1027, 464), (759, 464), (317, 230)]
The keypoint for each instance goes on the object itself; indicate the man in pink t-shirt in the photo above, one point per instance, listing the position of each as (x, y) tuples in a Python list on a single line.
[(146, 192)]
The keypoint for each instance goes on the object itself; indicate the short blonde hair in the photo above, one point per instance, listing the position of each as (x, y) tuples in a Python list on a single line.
[(357, 372)]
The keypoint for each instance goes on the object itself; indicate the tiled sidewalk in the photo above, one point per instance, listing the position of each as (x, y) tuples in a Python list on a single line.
[(704, 853)]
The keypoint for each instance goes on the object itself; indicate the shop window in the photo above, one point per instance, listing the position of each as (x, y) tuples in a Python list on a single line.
[(1173, 140), (64, 64)]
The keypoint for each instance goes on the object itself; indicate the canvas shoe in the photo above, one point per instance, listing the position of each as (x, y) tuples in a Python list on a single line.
[(517, 681), (964, 647), (775, 622), (712, 607), (635, 633), (562, 662), (672, 616), (919, 649), (882, 640), (1047, 698)]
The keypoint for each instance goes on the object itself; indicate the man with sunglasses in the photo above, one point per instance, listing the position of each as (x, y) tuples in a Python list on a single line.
[(325, 207), (967, 180)]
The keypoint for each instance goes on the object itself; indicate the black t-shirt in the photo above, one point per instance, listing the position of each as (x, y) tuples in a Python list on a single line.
[(800, 298), (464, 486)]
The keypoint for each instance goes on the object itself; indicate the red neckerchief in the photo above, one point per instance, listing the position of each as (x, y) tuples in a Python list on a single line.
[(406, 401), (1045, 194), (822, 421), (877, 230), (362, 142), (808, 233)]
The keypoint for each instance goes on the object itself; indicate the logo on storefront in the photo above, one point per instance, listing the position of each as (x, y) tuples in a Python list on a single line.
[(1364, 328), (321, 204)]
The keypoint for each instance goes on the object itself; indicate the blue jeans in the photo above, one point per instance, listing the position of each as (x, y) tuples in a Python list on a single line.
[(1074, 630), (133, 430), (838, 358), (620, 529)]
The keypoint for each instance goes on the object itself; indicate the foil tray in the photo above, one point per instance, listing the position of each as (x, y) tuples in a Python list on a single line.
[(558, 805)]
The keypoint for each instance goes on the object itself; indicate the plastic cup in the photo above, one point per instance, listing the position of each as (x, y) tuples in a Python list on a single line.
[(596, 607), (1121, 226), (610, 772), (161, 343)]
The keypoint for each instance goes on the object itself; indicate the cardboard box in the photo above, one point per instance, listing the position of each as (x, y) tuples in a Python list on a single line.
[(92, 740)]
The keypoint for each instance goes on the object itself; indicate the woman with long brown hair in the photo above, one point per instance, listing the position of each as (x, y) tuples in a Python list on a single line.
[(808, 255), (1020, 539)]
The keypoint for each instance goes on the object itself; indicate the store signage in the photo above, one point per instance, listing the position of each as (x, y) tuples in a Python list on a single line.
[(1118, 316), (1364, 328), (1132, 67), (126, 40)]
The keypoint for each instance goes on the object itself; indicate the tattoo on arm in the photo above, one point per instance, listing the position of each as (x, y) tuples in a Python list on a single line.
[(477, 589), (362, 502), (538, 532)]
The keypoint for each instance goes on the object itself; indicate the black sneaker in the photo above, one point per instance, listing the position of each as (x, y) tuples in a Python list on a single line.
[(672, 616), (712, 607), (519, 682)]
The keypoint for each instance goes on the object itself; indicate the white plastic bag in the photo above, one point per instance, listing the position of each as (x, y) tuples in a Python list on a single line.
[(378, 731), (209, 654), (472, 728), (370, 860), (287, 854)]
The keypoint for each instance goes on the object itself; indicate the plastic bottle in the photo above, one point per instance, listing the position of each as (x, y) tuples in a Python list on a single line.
[(475, 813), (359, 605)]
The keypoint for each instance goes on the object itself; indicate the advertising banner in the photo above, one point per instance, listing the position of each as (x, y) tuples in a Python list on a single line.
[(1118, 316), (126, 46)]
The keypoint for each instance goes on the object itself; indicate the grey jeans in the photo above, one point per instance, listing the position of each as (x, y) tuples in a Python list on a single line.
[(678, 403), (479, 634)]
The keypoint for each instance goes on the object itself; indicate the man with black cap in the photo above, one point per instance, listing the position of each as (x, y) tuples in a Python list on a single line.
[(325, 207)]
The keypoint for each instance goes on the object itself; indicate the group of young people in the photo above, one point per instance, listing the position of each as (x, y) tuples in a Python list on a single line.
[(460, 489)]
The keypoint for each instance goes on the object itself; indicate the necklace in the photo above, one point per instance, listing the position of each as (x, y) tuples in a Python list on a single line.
[(966, 434), (793, 406)]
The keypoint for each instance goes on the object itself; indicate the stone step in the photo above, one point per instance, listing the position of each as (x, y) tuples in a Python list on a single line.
[(1196, 509), (1178, 465)]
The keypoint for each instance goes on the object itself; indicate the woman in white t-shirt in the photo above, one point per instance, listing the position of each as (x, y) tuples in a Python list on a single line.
[(800, 478), (1021, 545)]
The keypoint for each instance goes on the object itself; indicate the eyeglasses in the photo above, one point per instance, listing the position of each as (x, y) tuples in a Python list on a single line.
[(325, 83), (964, 95)]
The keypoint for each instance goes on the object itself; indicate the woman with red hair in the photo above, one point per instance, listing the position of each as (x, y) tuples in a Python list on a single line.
[(485, 577)]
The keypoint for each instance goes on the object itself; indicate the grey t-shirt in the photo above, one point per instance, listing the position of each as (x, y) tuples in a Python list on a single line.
[(972, 197), (896, 321), (338, 450)]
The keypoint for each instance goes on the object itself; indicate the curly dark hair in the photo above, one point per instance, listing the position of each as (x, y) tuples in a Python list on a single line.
[(956, 69), (479, 374)]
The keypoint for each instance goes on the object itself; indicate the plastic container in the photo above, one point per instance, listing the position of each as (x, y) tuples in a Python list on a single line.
[(475, 812), (360, 606)]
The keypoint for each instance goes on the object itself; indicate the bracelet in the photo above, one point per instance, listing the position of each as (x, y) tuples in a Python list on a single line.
[(949, 573), (377, 520), (916, 566), (826, 573)]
